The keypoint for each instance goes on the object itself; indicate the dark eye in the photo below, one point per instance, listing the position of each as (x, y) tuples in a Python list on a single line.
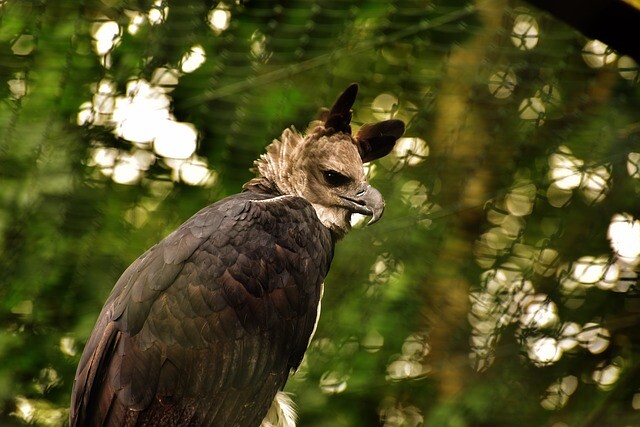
[(335, 179)]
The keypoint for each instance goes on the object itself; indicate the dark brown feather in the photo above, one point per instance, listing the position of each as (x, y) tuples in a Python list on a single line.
[(375, 140), (203, 330), (339, 116)]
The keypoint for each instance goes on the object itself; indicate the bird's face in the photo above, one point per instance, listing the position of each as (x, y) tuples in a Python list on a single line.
[(325, 166), (329, 173)]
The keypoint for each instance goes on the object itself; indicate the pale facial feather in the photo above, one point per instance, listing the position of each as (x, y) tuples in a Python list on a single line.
[(296, 165)]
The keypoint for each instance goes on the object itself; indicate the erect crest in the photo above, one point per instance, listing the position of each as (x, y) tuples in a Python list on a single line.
[(374, 140)]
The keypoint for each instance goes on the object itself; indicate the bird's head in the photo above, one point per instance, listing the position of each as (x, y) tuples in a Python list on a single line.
[(325, 166)]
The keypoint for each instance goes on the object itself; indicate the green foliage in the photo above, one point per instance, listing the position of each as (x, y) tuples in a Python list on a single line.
[(439, 313)]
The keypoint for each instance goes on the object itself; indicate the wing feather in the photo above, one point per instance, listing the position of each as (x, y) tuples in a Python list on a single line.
[(208, 322)]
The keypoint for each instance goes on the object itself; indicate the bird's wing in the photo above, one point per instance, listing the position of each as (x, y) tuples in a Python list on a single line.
[(221, 309)]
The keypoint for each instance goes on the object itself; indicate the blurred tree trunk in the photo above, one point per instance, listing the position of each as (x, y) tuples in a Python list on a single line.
[(460, 137)]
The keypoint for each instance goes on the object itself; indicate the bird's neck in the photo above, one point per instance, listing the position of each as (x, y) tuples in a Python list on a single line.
[(263, 185)]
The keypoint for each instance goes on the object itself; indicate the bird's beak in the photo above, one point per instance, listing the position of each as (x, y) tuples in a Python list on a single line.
[(367, 201)]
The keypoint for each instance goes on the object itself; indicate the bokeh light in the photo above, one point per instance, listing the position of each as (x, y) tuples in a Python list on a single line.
[(106, 35), (597, 54), (502, 84), (624, 234), (193, 59), (525, 31), (159, 12), (219, 18)]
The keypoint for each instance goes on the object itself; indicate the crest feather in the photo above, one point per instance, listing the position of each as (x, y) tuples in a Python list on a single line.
[(272, 165), (339, 117)]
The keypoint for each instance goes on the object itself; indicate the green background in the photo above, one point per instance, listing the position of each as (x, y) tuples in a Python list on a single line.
[(413, 331)]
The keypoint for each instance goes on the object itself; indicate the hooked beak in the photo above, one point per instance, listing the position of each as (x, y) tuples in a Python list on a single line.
[(367, 201)]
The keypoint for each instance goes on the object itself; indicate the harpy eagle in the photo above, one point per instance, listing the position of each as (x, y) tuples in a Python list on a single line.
[(206, 326)]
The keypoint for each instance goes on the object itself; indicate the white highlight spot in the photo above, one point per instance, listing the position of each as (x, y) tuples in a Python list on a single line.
[(624, 235), (594, 338), (158, 14), (532, 109), (384, 106), (412, 151), (596, 54), (332, 382), (193, 59), (125, 170), (175, 140), (106, 36), (544, 351), (195, 172), (219, 18), (628, 68), (139, 114), (502, 84), (565, 169), (525, 31)]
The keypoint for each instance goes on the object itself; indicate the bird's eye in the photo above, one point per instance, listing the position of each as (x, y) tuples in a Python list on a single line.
[(335, 179)]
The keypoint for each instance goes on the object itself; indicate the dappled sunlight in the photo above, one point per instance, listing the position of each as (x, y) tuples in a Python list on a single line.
[(396, 414), (507, 217), (165, 78), (411, 151), (538, 312), (39, 412), (372, 342), (138, 113), (543, 351), (497, 304), (532, 109), (568, 173), (136, 20), (633, 165), (18, 85), (193, 59), (520, 199), (174, 140), (23, 45), (502, 281), (411, 363), (588, 271), (505, 296), (597, 54), (502, 84), (333, 382), (142, 116), (525, 33), (48, 379), (628, 68), (68, 346), (125, 170), (159, 12), (258, 47), (557, 394), (385, 270), (195, 171), (624, 234), (594, 338), (219, 18), (384, 106), (106, 36), (607, 374), (416, 195)]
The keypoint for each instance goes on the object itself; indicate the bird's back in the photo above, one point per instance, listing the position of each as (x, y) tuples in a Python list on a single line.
[(204, 328)]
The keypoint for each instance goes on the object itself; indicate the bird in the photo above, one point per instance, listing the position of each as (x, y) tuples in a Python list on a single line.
[(205, 327)]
